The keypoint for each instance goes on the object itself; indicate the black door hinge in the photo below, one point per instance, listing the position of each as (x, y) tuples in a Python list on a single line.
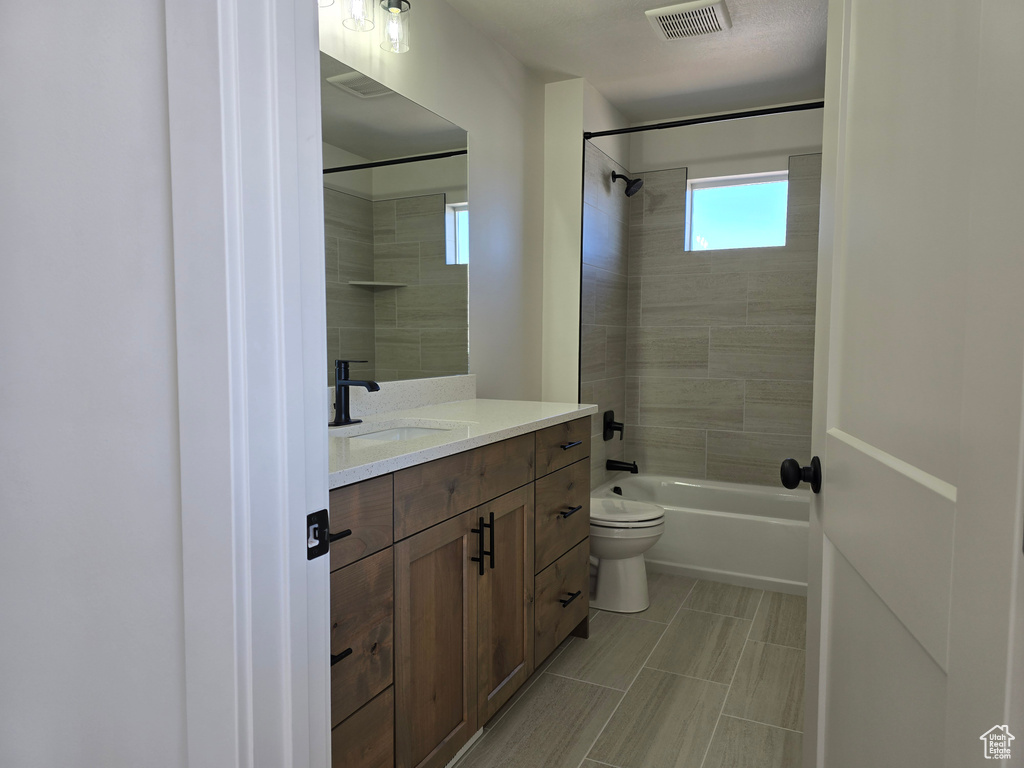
[(317, 542)]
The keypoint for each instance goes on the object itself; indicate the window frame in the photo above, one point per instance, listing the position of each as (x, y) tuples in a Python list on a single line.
[(736, 180)]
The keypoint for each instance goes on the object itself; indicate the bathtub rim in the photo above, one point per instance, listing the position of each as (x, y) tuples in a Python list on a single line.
[(799, 497)]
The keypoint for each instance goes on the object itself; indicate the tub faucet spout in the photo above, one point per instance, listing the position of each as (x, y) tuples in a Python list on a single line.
[(613, 465)]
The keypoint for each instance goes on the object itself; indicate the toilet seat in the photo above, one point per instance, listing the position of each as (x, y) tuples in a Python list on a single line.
[(625, 513)]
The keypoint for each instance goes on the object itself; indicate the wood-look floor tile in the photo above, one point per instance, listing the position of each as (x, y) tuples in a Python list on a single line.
[(703, 645), (667, 592), (552, 725), (781, 620), (743, 744), (769, 686), (726, 599), (541, 669), (665, 721), (617, 648)]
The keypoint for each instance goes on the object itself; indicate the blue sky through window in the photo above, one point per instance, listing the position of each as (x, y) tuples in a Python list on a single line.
[(738, 216)]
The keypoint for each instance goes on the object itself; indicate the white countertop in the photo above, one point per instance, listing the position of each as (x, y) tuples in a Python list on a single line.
[(466, 423)]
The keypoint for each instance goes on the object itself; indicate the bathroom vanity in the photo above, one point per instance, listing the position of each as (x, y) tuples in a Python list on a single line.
[(458, 564)]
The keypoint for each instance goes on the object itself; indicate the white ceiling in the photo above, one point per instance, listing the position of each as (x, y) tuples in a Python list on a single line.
[(382, 127), (773, 54)]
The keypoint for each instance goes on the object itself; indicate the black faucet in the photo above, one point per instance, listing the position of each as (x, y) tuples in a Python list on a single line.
[(341, 384), (622, 466)]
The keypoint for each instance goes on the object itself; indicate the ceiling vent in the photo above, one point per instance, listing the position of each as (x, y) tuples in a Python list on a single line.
[(693, 19), (358, 84)]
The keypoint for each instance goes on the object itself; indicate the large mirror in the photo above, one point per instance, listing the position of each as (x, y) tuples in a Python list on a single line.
[(396, 227)]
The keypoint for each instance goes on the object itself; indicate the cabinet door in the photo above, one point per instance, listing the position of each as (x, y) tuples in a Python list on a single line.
[(435, 633), (505, 600)]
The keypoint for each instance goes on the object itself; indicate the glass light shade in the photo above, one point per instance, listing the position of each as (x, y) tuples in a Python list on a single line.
[(358, 15), (394, 25), (325, 3)]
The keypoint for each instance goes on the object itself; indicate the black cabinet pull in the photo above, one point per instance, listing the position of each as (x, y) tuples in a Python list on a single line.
[(342, 535), (343, 655), (567, 446), (572, 596), (570, 512), (490, 552), (479, 531)]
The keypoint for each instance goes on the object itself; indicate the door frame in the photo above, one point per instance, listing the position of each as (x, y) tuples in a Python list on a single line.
[(247, 217)]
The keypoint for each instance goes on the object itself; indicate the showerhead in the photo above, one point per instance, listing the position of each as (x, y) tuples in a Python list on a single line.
[(632, 185)]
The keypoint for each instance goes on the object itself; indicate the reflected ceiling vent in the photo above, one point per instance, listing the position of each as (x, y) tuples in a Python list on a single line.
[(358, 84), (701, 17)]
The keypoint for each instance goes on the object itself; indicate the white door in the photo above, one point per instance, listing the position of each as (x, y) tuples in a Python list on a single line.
[(916, 536)]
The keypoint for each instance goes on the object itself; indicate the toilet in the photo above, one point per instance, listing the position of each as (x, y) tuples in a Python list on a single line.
[(621, 530)]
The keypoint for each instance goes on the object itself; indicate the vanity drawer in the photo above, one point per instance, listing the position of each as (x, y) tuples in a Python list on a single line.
[(563, 444), (430, 493), (362, 632), (367, 739), (553, 620), (365, 511), (558, 528)]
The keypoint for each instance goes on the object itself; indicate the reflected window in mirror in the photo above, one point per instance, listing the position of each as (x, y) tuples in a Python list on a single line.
[(456, 223)]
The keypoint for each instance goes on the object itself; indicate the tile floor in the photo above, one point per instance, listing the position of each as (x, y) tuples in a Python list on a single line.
[(710, 676)]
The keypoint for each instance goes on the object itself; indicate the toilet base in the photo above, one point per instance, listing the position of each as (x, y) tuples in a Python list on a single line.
[(621, 586)]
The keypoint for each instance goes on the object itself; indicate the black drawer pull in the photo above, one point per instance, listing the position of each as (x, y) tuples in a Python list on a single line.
[(570, 512), (572, 597), (342, 535), (567, 446), (343, 655)]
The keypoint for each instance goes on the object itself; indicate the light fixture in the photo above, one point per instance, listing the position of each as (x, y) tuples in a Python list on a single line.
[(325, 3), (359, 15), (394, 25)]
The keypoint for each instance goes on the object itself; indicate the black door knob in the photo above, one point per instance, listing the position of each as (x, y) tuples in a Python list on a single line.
[(793, 474)]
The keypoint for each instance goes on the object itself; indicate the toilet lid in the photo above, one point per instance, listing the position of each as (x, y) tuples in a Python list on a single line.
[(624, 511)]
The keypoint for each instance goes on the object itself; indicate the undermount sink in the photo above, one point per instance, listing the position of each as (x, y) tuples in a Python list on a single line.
[(400, 433)]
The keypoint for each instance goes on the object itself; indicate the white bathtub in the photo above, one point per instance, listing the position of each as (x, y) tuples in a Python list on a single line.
[(738, 534)]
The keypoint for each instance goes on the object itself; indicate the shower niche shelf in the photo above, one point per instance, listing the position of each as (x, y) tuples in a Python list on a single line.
[(377, 284)]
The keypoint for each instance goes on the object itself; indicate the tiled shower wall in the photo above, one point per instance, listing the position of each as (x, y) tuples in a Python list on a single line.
[(720, 343), (348, 249), (422, 329), (603, 321), (411, 332)]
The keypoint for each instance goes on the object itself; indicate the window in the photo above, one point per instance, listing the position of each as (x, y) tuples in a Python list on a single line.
[(456, 224), (736, 212)]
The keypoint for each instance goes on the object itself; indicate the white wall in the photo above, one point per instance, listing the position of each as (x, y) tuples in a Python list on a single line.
[(599, 115), (91, 596), (570, 108), (456, 72), (754, 145)]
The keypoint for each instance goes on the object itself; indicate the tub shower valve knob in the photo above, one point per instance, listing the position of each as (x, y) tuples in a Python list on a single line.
[(611, 426)]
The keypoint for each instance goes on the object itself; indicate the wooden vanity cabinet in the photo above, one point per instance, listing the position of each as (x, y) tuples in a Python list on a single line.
[(481, 538), (362, 624), (505, 601), (436, 631)]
